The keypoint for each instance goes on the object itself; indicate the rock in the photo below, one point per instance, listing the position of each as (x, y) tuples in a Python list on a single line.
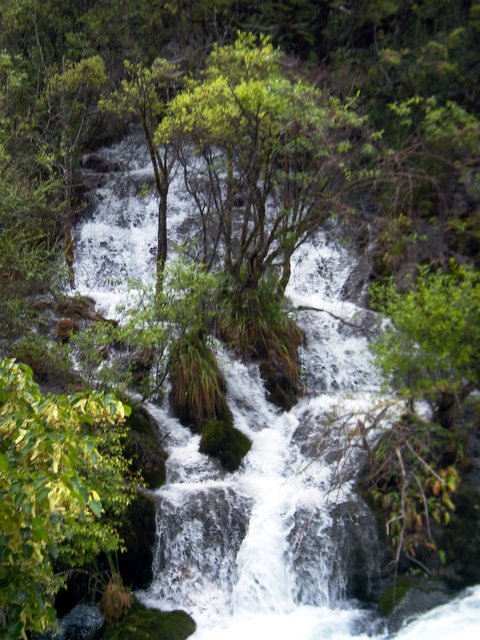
[(145, 449), (221, 440), (280, 391), (348, 534), (149, 624), (84, 622), (139, 534), (99, 164), (410, 597)]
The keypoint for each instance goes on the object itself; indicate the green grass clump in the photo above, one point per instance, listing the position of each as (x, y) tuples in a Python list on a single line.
[(255, 322), (198, 389)]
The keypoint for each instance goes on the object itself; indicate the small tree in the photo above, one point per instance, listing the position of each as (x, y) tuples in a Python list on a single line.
[(430, 348), (61, 471), (263, 158), (69, 103)]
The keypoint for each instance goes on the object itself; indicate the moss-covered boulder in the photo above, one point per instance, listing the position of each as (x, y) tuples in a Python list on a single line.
[(145, 449), (149, 624), (139, 534), (410, 597), (221, 440)]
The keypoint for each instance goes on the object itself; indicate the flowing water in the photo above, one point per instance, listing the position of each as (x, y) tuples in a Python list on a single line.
[(281, 548)]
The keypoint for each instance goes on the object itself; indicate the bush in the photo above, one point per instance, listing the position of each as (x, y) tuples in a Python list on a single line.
[(430, 348), (256, 323), (61, 473)]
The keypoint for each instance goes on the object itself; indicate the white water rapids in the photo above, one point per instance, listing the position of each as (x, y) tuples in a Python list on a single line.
[(261, 553)]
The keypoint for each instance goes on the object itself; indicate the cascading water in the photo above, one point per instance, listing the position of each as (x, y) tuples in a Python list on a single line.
[(280, 548)]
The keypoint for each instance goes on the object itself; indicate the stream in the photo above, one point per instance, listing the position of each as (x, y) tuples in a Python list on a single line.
[(283, 548)]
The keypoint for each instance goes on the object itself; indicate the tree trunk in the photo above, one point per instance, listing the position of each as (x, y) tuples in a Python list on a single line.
[(161, 237)]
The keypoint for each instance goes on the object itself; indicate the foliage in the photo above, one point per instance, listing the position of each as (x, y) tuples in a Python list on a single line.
[(264, 158), (255, 321), (137, 350), (413, 478), (63, 484), (116, 599), (430, 346)]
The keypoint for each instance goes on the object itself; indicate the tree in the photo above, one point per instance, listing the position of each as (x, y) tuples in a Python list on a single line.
[(29, 196), (429, 349), (264, 158), (69, 103), (144, 93), (62, 490)]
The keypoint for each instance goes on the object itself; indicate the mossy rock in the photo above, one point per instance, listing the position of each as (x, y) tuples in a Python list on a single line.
[(394, 594), (221, 440), (149, 624), (145, 449), (138, 531), (410, 597)]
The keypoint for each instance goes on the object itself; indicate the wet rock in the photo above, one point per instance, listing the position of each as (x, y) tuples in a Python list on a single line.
[(149, 624), (139, 535), (144, 447), (100, 164), (280, 390), (221, 440), (84, 622), (348, 534), (199, 534), (410, 597)]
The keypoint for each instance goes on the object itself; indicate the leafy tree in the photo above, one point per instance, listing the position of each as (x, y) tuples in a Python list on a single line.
[(430, 346), (69, 104), (29, 196), (63, 489), (264, 158)]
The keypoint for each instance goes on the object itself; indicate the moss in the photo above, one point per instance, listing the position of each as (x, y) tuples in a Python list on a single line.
[(145, 449), (149, 624), (223, 441), (395, 594), (138, 531)]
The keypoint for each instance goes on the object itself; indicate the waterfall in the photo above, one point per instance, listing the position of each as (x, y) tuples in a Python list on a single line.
[(283, 547)]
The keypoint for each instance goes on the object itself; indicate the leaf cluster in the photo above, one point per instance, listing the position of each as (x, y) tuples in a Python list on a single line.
[(63, 488)]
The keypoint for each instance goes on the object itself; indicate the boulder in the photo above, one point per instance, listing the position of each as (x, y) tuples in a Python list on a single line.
[(149, 624), (83, 622), (221, 440), (100, 164), (139, 533), (145, 449)]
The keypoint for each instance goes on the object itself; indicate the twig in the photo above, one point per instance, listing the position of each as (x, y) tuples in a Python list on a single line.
[(350, 324)]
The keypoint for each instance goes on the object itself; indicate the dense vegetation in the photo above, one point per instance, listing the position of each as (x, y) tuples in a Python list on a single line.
[(363, 110)]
